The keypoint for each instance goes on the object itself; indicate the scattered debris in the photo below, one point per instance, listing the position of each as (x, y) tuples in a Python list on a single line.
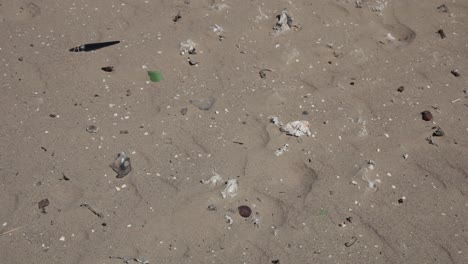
[(455, 73), (405, 156), (191, 62), (213, 180), (400, 201), (108, 69), (121, 165), (230, 189), (275, 120), (204, 104), (212, 208), (438, 133), (219, 7), (183, 111), (93, 46), (351, 242), (364, 171), (64, 177), (123, 132), (275, 261), (262, 73), (217, 29), (92, 210), (42, 204), (244, 211), (155, 76), (92, 129), (188, 47), (177, 17), (228, 219), (296, 128), (401, 89), (53, 115), (426, 116), (456, 100), (256, 221), (284, 23), (281, 150), (443, 8), (12, 230), (441, 33), (430, 141), (305, 112), (129, 260)]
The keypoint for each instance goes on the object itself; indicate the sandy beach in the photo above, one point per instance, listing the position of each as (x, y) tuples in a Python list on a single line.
[(198, 96)]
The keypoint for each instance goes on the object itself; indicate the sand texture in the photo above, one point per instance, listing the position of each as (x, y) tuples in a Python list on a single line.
[(373, 182)]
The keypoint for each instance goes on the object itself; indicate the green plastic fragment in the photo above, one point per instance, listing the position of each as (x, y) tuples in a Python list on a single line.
[(155, 76), (323, 212)]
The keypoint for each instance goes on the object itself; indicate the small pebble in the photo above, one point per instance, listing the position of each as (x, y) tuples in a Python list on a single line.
[(92, 129), (426, 116), (438, 133), (108, 69), (455, 73), (401, 89), (212, 207), (244, 211)]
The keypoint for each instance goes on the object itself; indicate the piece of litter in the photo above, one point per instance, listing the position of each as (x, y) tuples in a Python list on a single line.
[(213, 180), (155, 76), (230, 189), (297, 128), (62, 238), (281, 150), (405, 156), (121, 165), (187, 47)]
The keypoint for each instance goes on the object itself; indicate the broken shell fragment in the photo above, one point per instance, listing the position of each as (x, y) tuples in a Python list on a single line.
[(121, 165), (230, 189), (297, 128)]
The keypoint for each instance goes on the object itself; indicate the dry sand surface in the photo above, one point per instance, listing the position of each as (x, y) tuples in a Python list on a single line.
[(373, 183)]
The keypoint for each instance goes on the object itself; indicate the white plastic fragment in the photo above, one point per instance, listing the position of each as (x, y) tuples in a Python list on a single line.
[(405, 156), (281, 150), (230, 189), (187, 47), (213, 180), (297, 128)]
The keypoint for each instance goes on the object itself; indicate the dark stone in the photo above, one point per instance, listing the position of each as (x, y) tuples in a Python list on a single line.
[(244, 211), (426, 116)]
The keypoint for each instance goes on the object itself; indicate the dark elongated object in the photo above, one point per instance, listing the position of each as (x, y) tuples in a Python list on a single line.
[(93, 46)]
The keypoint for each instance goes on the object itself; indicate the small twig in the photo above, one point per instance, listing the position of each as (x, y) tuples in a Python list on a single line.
[(92, 210), (11, 231)]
